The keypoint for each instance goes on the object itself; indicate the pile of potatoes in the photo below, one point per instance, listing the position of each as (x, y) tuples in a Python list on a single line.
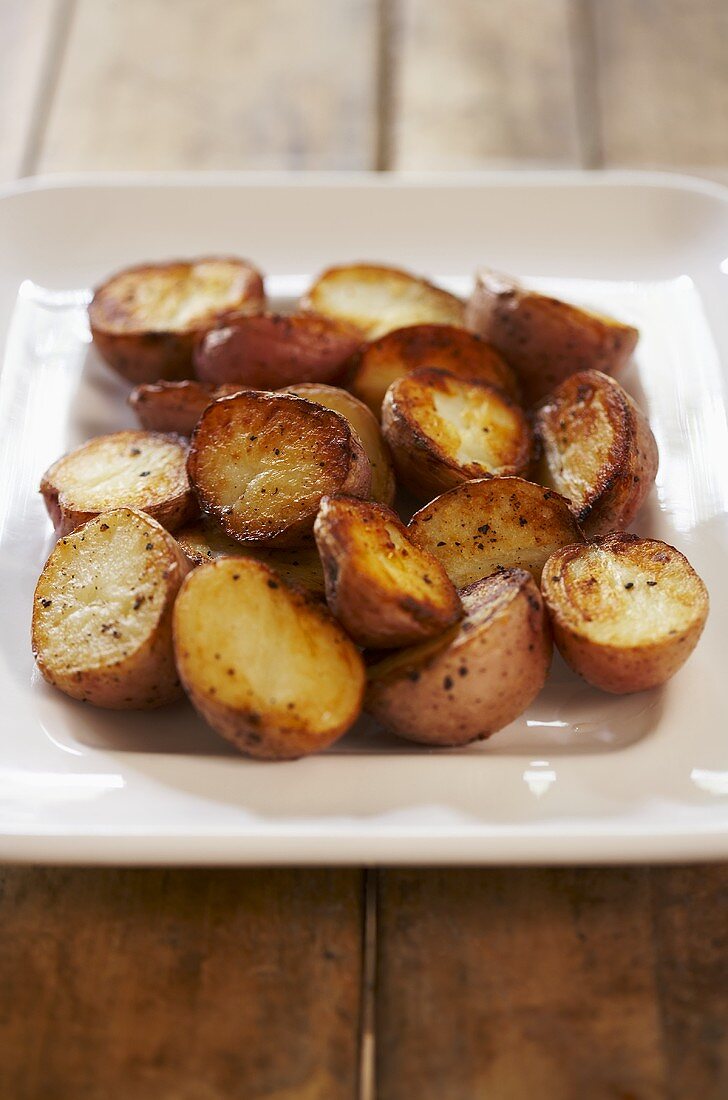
[(241, 546)]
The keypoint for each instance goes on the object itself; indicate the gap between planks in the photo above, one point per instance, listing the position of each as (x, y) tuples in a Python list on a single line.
[(367, 1033), (51, 71)]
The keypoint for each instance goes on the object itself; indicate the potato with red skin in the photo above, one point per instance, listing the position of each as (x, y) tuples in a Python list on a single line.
[(597, 449), (261, 462), (265, 664), (383, 589), (446, 347), (273, 350), (174, 406), (146, 320), (475, 678), (544, 339)]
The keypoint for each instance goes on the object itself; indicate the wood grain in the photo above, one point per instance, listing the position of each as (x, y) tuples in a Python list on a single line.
[(179, 985), (484, 84), (146, 84)]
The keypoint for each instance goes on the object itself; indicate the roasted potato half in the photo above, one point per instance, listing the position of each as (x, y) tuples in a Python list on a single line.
[(376, 299), (474, 679), (365, 426), (264, 664), (597, 449), (174, 406), (626, 612), (146, 320), (443, 430), (261, 462), (383, 590), (444, 346), (205, 541), (143, 470), (274, 350), (545, 339), (102, 612), (485, 526)]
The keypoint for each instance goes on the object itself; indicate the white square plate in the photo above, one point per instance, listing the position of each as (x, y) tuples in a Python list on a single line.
[(582, 776)]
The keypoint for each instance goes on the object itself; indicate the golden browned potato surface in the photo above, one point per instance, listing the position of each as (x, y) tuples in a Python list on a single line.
[(205, 541), (443, 430), (544, 339), (474, 679), (174, 406), (274, 350), (102, 612), (597, 449), (143, 470), (264, 664), (375, 299), (146, 320), (499, 523), (383, 590), (366, 427), (428, 345), (627, 612), (261, 462)]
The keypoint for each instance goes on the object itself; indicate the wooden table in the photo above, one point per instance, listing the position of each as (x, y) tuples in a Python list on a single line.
[(308, 984)]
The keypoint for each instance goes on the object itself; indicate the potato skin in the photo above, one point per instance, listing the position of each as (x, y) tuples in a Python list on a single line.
[(629, 468), (544, 339), (477, 678), (137, 348), (446, 347), (144, 677), (272, 350), (361, 544), (270, 729), (174, 407), (621, 668)]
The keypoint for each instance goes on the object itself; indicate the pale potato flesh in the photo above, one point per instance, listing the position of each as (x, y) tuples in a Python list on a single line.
[(575, 458)]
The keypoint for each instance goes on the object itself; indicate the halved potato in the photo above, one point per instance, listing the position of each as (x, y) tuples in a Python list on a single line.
[(597, 449), (146, 320), (444, 346), (444, 430), (543, 338), (365, 426), (474, 679), (376, 298), (383, 590), (264, 664), (205, 541), (174, 406), (274, 350), (499, 523), (626, 612), (102, 612), (261, 462), (143, 470)]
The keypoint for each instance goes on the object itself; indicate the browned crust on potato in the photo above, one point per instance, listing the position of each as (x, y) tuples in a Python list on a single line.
[(477, 677), (174, 406), (446, 347), (376, 298), (261, 462), (436, 424), (163, 492), (626, 612), (597, 449), (265, 664), (273, 350), (366, 427), (134, 331), (383, 590), (488, 525), (544, 339), (116, 668)]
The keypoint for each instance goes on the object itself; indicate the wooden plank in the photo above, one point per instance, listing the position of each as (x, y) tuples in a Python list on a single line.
[(663, 82), (518, 983), (179, 985), (27, 28), (147, 84), (484, 85)]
